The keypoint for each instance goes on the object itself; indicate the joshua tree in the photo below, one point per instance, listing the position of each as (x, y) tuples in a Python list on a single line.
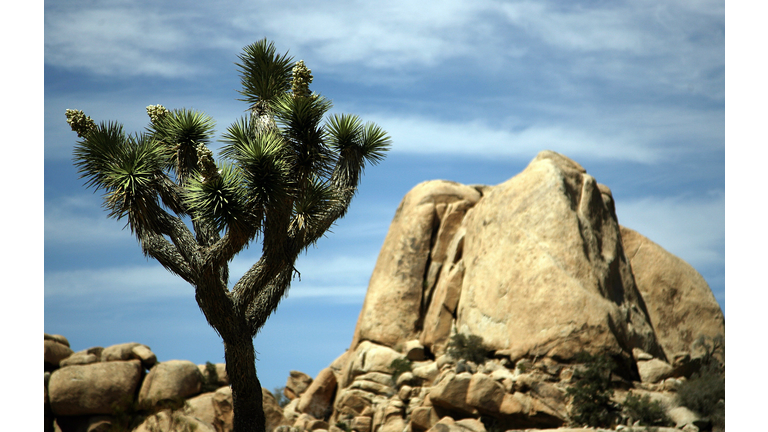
[(283, 178)]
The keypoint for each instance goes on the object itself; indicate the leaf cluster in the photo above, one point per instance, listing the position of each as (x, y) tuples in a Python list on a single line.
[(646, 412), (591, 394), (210, 378), (399, 366), (467, 347), (280, 397), (704, 393)]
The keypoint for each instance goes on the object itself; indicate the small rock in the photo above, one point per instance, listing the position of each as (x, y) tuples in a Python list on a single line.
[(79, 358), (654, 370), (405, 392), (170, 381), (641, 355), (297, 383), (55, 352), (57, 338), (414, 350), (143, 353), (427, 372), (362, 423)]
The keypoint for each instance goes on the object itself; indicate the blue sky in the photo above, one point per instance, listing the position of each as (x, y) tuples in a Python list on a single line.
[(469, 91)]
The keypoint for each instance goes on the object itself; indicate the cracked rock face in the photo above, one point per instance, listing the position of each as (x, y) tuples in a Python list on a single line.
[(399, 292), (545, 270)]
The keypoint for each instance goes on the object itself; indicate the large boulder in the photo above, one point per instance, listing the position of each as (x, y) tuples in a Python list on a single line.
[(56, 349), (545, 272), (98, 388), (170, 381), (489, 260), (679, 301), (297, 383), (201, 407), (129, 351), (223, 406), (392, 310), (317, 400), (368, 357), (272, 411), (171, 421)]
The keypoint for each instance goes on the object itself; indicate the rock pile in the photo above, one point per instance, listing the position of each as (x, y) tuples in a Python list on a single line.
[(537, 266), (124, 387)]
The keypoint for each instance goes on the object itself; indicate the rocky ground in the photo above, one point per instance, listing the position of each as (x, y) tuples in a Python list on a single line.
[(123, 386)]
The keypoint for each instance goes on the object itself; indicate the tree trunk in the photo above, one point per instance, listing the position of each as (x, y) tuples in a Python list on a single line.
[(246, 389)]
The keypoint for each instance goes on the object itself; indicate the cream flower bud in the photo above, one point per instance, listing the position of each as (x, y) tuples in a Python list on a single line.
[(79, 122), (302, 78), (156, 112), (206, 164)]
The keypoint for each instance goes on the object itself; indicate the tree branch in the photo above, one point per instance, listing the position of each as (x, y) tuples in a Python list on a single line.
[(167, 254), (182, 238), (267, 300)]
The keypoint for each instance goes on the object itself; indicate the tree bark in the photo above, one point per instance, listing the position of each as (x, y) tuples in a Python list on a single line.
[(246, 388)]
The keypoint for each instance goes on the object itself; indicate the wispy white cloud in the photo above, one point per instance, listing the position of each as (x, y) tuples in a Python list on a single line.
[(335, 278), (691, 228), (137, 282), (577, 27), (117, 40), (121, 38), (636, 136), (325, 273), (78, 219), (387, 36)]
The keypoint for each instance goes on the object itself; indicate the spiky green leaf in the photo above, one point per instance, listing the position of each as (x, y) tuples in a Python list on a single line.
[(180, 131), (375, 143), (237, 135), (264, 74), (300, 120), (96, 156), (312, 206), (262, 163), (220, 200), (128, 169), (344, 132)]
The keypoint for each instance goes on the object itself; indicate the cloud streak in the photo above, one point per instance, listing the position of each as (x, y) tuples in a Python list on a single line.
[(78, 219), (691, 228), (133, 282), (634, 136), (355, 38)]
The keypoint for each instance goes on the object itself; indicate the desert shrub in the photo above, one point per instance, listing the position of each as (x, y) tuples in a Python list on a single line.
[(591, 394), (343, 426), (126, 416), (210, 378), (647, 412), (400, 366), (469, 348), (704, 392), (280, 396)]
